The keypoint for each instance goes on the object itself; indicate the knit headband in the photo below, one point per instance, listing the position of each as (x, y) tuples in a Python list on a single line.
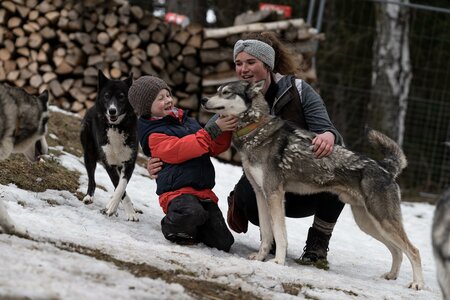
[(258, 49)]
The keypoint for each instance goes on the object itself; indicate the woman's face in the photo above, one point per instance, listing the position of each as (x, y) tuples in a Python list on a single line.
[(251, 69)]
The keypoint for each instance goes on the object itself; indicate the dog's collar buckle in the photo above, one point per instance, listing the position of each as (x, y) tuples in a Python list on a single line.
[(250, 127)]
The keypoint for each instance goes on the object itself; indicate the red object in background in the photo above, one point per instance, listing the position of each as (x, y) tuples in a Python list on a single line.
[(171, 17), (286, 10)]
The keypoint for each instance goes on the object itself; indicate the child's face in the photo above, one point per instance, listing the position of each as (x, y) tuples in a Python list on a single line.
[(163, 104)]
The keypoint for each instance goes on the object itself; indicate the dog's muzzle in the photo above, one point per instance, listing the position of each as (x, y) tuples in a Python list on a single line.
[(203, 101), (112, 115)]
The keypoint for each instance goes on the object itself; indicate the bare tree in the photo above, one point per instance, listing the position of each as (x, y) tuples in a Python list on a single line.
[(391, 70)]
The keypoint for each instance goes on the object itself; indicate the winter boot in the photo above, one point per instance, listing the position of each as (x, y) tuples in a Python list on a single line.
[(236, 220), (315, 251), (181, 238)]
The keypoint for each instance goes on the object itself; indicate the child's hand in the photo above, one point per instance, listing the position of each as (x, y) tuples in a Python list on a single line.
[(227, 123), (154, 165)]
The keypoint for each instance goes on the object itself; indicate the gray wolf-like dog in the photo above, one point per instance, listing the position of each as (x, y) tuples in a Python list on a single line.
[(108, 135), (23, 126), (277, 157), (440, 237)]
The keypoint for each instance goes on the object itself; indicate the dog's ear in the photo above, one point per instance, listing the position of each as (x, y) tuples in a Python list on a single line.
[(129, 80), (102, 79), (258, 86), (255, 88), (43, 98)]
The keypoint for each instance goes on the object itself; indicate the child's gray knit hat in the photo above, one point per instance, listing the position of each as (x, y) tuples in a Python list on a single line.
[(143, 92), (262, 51)]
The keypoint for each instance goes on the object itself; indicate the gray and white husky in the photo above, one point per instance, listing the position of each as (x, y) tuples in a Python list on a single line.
[(23, 126), (440, 237), (277, 157)]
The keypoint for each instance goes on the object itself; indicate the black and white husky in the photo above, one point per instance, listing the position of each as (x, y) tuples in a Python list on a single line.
[(108, 135), (440, 236), (23, 126), (277, 157)]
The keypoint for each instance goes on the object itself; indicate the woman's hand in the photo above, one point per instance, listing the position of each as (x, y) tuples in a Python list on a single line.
[(154, 165), (227, 123), (323, 144)]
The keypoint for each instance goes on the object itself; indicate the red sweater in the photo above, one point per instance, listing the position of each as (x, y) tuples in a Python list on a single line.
[(172, 149)]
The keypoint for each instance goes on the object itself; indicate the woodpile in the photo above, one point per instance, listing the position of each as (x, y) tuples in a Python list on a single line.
[(59, 45)]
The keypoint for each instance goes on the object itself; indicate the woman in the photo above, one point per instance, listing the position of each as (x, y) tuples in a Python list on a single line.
[(263, 56)]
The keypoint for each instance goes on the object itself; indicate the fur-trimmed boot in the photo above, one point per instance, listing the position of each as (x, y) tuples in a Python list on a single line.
[(316, 248)]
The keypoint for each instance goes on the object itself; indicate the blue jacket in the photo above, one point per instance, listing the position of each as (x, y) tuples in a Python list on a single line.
[(197, 172)]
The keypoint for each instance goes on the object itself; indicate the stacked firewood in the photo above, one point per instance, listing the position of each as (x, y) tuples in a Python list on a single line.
[(60, 45)]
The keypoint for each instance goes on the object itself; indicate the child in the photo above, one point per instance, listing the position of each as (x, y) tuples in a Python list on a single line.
[(185, 182)]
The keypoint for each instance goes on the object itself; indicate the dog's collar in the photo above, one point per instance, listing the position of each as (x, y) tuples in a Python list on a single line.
[(250, 127)]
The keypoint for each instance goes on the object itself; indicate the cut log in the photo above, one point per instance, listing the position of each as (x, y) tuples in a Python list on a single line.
[(215, 56), (153, 50), (182, 37), (174, 48), (56, 89), (133, 41), (36, 81), (255, 27)]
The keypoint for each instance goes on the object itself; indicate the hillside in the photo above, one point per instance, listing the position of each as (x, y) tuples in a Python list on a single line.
[(75, 252)]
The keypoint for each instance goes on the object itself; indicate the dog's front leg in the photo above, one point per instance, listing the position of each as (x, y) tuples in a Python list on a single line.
[(277, 215), (264, 227), (120, 194), (130, 211), (7, 145), (120, 184), (7, 224)]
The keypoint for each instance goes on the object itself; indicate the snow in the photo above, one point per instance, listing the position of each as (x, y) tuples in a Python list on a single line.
[(45, 268)]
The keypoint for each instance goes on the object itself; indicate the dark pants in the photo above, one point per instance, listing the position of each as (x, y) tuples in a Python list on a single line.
[(200, 219), (325, 206)]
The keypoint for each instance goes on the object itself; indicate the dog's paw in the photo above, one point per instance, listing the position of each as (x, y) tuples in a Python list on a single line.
[(109, 214), (132, 218), (111, 207), (390, 276), (88, 199), (256, 256), (416, 285), (277, 261), (19, 231), (16, 230)]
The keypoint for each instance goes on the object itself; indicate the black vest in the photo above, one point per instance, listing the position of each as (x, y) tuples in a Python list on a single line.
[(287, 103)]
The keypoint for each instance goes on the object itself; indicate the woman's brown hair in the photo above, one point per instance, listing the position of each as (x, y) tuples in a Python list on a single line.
[(286, 61)]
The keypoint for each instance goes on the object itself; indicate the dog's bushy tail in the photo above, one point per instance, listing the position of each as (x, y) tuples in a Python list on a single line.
[(394, 160)]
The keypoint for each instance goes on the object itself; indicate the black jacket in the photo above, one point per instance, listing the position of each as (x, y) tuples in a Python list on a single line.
[(294, 100)]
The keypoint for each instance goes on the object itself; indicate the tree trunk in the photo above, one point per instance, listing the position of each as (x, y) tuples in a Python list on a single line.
[(391, 71)]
